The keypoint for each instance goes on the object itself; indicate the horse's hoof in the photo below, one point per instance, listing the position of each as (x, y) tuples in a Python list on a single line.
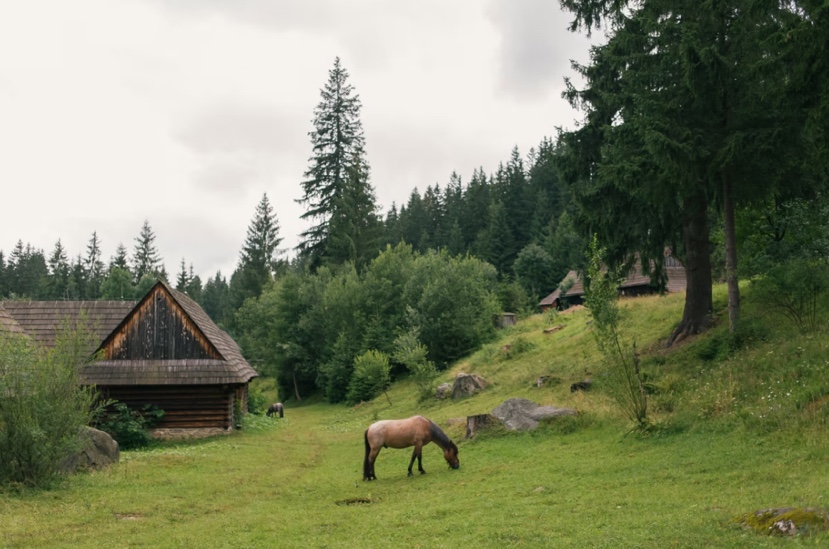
[(410, 474), (423, 472)]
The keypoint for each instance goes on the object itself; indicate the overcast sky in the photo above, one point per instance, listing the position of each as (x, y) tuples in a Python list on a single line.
[(184, 112)]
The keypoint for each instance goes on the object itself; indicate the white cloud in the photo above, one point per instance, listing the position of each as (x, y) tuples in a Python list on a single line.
[(184, 113)]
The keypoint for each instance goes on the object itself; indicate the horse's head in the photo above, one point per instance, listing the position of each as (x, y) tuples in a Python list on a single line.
[(450, 454)]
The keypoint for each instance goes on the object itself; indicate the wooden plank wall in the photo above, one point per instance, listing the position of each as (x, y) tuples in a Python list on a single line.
[(185, 406), (160, 330)]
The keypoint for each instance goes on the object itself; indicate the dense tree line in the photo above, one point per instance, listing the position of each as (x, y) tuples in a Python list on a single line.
[(518, 219), (694, 113), (704, 132)]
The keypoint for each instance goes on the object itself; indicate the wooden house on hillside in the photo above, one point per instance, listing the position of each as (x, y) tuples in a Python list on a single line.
[(162, 350), (571, 288)]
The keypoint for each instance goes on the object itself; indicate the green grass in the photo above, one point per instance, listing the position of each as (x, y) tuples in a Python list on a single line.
[(740, 425)]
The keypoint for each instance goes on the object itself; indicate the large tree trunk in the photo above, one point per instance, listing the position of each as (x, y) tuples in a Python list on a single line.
[(296, 385), (731, 255), (698, 298)]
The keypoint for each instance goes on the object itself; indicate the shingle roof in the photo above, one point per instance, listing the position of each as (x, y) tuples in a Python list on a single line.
[(675, 273), (42, 319), (577, 286), (8, 324), (161, 372)]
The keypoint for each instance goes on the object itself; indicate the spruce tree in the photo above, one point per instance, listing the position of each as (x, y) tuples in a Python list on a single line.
[(194, 286), (94, 267), (145, 255), (215, 297), (120, 259), (258, 257), (183, 278), (338, 150), (685, 109), (355, 226), (58, 282), (78, 283), (28, 272)]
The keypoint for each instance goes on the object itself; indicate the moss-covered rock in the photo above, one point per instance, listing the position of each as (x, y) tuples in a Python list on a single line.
[(787, 521)]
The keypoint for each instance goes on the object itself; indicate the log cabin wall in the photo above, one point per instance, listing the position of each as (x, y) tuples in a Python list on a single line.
[(185, 406), (158, 330)]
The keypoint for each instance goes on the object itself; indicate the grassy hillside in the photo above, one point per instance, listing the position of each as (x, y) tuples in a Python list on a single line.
[(740, 425)]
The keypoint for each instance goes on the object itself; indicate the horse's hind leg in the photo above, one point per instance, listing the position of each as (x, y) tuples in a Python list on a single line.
[(411, 462), (368, 462), (372, 458)]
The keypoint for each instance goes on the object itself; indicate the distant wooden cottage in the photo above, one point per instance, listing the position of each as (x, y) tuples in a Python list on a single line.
[(162, 350), (636, 283)]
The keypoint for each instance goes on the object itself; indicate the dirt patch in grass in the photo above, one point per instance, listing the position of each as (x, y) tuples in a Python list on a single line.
[(356, 501)]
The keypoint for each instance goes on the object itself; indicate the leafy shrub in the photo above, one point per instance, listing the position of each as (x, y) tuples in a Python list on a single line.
[(793, 289), (333, 376), (371, 377), (622, 374), (257, 399), (410, 352), (519, 346), (130, 426), (42, 406)]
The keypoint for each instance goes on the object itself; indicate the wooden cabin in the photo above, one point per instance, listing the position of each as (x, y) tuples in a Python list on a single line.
[(636, 283), (162, 350)]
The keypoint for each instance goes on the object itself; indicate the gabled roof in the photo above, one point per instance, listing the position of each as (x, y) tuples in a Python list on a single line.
[(576, 289), (8, 324), (635, 278), (42, 319)]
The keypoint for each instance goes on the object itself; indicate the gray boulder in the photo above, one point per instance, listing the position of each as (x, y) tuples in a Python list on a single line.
[(98, 450), (443, 390), (467, 385), (520, 414)]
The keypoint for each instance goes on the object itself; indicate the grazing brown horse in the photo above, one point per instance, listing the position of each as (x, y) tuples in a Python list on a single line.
[(275, 408), (416, 431)]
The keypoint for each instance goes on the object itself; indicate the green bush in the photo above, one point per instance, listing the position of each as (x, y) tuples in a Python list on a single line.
[(622, 375), (370, 378), (257, 399), (42, 405), (410, 352), (128, 426), (793, 288)]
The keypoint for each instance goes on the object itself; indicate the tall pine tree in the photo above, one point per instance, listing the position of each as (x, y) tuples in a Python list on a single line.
[(684, 111), (258, 258), (145, 255), (57, 285), (335, 166), (94, 267), (355, 226)]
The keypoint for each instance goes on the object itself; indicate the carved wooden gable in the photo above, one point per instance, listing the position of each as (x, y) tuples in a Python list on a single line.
[(158, 329)]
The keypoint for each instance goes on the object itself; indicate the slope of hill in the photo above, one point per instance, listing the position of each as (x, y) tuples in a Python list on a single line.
[(739, 426)]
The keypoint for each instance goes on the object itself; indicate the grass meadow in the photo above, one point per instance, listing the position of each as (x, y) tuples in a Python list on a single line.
[(739, 424)]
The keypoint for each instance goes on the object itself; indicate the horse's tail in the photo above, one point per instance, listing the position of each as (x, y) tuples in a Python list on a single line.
[(366, 465)]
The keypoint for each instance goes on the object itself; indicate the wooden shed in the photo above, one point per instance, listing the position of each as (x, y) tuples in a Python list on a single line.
[(162, 350), (636, 283)]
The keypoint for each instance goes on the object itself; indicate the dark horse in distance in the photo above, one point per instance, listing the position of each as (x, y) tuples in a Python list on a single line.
[(416, 431), (275, 408)]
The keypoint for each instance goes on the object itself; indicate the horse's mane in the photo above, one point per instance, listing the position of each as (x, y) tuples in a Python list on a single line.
[(440, 438)]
